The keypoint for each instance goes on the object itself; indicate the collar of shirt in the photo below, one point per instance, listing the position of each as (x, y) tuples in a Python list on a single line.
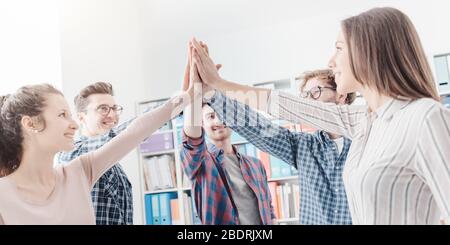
[(81, 138), (324, 137), (218, 153), (390, 107)]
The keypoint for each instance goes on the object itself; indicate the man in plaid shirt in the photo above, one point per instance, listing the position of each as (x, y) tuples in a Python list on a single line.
[(99, 115), (228, 187), (319, 157)]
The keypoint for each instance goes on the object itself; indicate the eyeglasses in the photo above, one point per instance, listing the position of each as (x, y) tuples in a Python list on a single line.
[(105, 109), (315, 92)]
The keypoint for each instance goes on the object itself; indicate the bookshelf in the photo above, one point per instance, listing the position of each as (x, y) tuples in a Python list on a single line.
[(166, 191)]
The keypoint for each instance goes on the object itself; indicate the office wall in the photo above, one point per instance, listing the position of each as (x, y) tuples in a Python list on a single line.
[(281, 40), (29, 44)]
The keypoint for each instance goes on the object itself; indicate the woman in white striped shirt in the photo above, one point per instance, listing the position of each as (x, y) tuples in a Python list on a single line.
[(398, 167)]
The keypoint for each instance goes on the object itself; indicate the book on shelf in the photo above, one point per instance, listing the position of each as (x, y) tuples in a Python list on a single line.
[(190, 213), (187, 209), (159, 172), (285, 200), (446, 101), (186, 182), (275, 167), (175, 212), (273, 194), (157, 142), (236, 138)]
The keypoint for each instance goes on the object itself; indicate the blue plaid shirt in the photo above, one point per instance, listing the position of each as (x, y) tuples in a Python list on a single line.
[(322, 195), (112, 194)]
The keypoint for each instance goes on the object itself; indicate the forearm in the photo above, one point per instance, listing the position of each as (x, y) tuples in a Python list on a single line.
[(193, 119), (255, 128), (254, 97), (338, 119), (145, 125), (192, 154)]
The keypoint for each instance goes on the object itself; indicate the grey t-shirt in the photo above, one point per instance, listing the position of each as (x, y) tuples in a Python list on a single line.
[(243, 196)]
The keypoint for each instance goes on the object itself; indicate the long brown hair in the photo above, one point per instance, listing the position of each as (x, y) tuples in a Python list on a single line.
[(386, 54), (27, 101)]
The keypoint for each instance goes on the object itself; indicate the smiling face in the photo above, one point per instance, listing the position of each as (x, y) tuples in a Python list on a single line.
[(93, 120), (340, 64), (57, 127), (214, 128)]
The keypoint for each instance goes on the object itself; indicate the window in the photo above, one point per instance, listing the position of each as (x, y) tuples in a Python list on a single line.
[(442, 65)]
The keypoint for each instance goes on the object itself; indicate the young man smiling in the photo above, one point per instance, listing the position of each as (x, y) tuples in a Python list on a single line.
[(99, 114)]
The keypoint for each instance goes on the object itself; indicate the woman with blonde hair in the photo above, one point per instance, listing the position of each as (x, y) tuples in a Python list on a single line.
[(398, 167)]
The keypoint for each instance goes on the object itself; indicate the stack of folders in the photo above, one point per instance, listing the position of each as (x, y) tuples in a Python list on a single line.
[(157, 142), (159, 172), (164, 209)]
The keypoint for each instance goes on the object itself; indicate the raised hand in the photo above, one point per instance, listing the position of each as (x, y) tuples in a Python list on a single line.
[(205, 66)]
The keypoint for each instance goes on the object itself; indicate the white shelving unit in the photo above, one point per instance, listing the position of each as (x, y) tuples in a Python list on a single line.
[(179, 189)]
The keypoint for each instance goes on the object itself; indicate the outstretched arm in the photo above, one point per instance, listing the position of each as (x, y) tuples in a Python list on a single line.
[(99, 161), (338, 119)]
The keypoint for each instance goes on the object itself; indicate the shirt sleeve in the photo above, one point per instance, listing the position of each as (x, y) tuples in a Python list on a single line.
[(272, 211), (96, 163), (433, 157), (339, 119), (193, 154), (257, 128)]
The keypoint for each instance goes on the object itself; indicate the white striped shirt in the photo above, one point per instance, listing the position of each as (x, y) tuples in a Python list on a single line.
[(398, 167)]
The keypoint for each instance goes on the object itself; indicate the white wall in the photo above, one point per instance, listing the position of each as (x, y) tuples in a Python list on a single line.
[(29, 44), (140, 45), (266, 40), (101, 42)]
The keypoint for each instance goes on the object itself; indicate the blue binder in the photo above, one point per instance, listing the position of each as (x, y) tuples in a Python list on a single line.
[(155, 210), (164, 208), (148, 210), (275, 166)]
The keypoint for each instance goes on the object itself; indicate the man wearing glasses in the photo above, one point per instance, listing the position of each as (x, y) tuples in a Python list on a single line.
[(319, 157), (98, 114)]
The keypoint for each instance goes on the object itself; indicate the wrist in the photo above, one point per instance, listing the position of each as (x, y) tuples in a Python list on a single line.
[(216, 83), (207, 96)]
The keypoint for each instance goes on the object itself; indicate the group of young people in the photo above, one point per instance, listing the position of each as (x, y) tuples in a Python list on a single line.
[(386, 162)]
